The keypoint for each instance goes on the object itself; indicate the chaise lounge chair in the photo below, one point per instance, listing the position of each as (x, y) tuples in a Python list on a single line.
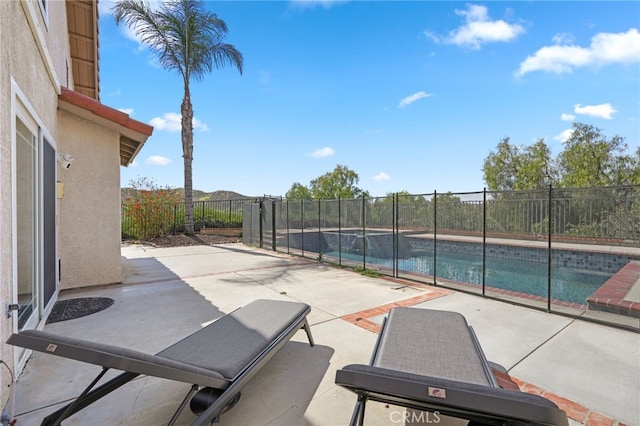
[(218, 360), (431, 361)]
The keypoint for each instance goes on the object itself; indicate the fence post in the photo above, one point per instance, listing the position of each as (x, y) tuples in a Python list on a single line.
[(260, 219), (549, 233), (435, 234), (484, 238), (319, 229), (340, 231), (396, 232), (175, 216), (302, 224), (287, 226), (273, 224), (364, 235)]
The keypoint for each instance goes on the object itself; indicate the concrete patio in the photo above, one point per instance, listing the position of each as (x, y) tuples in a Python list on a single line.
[(592, 371)]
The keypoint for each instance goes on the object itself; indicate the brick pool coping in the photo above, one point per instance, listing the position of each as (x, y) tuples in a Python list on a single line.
[(610, 297), (574, 411)]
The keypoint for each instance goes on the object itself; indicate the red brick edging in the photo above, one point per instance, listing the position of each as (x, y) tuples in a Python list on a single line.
[(610, 297)]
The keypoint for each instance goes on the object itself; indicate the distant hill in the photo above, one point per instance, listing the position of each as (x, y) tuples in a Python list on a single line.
[(201, 195), (218, 196)]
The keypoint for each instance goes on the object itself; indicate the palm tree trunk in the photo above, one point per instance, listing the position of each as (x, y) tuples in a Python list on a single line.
[(186, 110)]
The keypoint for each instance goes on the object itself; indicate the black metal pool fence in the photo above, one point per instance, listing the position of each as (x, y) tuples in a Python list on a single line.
[(594, 230), (148, 220)]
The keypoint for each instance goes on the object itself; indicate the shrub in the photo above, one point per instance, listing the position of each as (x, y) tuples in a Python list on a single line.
[(148, 210)]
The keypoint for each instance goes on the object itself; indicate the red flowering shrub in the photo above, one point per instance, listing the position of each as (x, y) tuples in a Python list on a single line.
[(148, 210)]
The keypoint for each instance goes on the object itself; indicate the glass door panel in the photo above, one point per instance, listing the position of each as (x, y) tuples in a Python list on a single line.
[(26, 204)]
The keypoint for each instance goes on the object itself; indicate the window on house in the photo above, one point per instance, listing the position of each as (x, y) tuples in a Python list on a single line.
[(44, 8)]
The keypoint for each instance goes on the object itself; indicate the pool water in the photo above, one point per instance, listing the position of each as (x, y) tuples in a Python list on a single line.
[(568, 284)]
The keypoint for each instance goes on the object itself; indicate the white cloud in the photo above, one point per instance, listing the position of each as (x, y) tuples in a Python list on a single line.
[(567, 117), (171, 122), (199, 125), (157, 160), (603, 110), (381, 176), (128, 111), (605, 49), (562, 38), (323, 152), (479, 29), (310, 4), (411, 99), (564, 135)]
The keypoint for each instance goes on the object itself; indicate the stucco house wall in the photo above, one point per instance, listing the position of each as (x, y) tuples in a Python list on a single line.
[(89, 253), (5, 200), (21, 66)]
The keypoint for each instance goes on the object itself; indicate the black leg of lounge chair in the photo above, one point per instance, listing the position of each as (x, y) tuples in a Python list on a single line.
[(69, 409), (307, 330), (362, 408), (185, 401), (88, 398), (358, 412)]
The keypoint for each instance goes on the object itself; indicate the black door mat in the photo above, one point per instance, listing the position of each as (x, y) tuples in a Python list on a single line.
[(69, 309)]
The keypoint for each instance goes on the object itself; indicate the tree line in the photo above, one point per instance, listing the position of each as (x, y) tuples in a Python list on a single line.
[(588, 159)]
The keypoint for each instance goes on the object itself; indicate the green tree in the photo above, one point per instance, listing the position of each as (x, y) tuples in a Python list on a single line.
[(298, 192), (340, 183), (515, 167), (501, 167), (590, 159), (537, 169), (190, 40)]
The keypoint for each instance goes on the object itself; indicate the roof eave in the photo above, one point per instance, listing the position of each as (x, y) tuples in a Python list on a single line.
[(133, 133)]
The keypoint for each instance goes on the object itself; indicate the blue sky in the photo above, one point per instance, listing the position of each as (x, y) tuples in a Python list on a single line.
[(410, 95)]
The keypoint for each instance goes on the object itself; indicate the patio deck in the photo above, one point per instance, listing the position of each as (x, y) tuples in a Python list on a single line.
[(590, 370)]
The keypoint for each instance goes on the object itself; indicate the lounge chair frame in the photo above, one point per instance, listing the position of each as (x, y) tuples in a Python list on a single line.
[(480, 401), (134, 363)]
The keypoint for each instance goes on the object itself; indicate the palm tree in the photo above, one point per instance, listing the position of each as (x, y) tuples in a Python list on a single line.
[(189, 39)]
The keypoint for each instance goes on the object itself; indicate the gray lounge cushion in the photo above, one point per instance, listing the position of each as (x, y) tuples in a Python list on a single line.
[(431, 343), (230, 344)]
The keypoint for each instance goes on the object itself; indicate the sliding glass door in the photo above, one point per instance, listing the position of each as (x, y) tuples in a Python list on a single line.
[(27, 223)]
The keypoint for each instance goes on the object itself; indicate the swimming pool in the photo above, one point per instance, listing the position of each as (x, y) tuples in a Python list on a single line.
[(567, 284)]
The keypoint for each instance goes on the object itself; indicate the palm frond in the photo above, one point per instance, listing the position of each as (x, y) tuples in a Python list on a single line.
[(151, 26), (183, 35)]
